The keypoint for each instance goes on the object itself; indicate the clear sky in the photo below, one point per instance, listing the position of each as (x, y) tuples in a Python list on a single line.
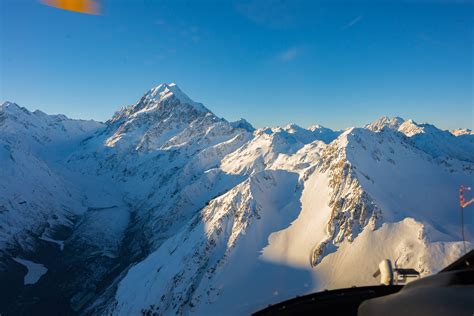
[(338, 63)]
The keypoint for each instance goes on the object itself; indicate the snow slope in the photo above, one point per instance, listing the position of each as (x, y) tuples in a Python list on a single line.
[(176, 211), (34, 197), (342, 214)]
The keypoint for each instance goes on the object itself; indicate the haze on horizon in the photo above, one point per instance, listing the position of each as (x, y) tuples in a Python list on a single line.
[(338, 64)]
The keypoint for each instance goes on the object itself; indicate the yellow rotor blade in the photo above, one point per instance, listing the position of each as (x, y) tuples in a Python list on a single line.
[(81, 6)]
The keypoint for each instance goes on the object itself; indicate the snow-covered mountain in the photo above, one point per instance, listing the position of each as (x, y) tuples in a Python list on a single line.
[(169, 209), (34, 197), (443, 145)]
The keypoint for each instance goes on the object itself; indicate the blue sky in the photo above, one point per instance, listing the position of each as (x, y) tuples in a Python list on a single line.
[(339, 63)]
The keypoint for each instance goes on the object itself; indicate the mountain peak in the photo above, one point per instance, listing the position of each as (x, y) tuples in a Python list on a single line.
[(461, 131), (315, 127), (171, 90), (13, 109), (161, 100), (165, 90), (243, 124), (384, 121), (293, 128), (410, 128), (7, 105)]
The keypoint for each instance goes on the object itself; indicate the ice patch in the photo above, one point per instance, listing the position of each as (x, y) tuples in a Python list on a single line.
[(35, 270), (60, 243)]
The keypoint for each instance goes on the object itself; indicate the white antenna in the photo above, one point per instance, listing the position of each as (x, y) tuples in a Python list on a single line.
[(385, 271), (463, 203)]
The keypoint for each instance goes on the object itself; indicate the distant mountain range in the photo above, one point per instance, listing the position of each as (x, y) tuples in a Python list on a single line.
[(169, 209)]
